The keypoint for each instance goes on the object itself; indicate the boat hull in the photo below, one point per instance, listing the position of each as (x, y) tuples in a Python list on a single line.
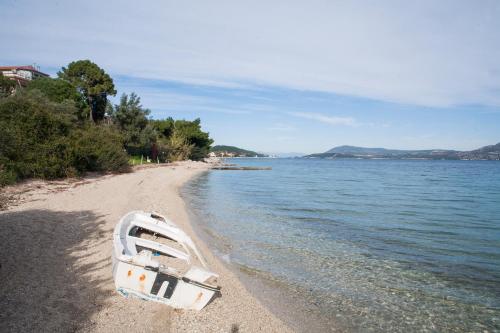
[(134, 281)]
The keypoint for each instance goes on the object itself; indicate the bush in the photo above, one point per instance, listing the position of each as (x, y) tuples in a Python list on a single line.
[(58, 91), (98, 148), (7, 177), (42, 139), (178, 148), (34, 136)]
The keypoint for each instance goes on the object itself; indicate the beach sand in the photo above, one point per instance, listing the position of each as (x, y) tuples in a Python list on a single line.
[(56, 245)]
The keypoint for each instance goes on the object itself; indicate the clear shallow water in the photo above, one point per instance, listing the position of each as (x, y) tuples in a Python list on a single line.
[(370, 245)]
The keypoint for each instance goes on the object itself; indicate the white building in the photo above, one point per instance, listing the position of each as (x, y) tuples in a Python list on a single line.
[(21, 74)]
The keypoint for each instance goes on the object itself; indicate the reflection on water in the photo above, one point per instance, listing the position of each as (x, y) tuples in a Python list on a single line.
[(372, 245)]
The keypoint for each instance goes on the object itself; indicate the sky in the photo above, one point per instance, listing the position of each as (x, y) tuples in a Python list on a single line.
[(285, 76)]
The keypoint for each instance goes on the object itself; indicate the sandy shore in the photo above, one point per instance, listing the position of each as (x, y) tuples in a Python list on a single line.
[(56, 248)]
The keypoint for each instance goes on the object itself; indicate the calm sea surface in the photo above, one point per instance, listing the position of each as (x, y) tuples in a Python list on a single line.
[(367, 245)]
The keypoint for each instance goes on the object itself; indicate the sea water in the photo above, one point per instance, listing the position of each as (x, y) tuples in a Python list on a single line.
[(362, 245)]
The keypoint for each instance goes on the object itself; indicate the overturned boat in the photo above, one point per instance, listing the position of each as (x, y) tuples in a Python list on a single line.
[(154, 259)]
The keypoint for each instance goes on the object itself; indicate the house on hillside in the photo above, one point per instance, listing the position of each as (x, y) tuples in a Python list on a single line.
[(22, 74)]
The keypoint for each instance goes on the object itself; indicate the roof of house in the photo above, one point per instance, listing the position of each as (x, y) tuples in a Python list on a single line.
[(26, 68)]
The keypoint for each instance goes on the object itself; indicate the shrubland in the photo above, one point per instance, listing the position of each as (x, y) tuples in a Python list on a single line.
[(66, 126)]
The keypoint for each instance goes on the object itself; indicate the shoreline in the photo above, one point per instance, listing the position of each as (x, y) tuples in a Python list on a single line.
[(280, 298), (57, 259)]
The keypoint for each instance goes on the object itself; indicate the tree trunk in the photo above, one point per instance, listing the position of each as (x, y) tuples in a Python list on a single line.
[(91, 109)]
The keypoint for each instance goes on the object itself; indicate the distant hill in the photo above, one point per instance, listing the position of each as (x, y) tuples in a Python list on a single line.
[(231, 151), (484, 153), (369, 151), (488, 149)]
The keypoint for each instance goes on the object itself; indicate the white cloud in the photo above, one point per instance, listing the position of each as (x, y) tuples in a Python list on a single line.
[(345, 121), (434, 53)]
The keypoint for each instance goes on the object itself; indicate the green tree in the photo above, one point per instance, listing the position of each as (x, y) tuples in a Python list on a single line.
[(164, 127), (92, 82), (176, 137), (7, 86), (191, 130), (58, 90), (132, 120)]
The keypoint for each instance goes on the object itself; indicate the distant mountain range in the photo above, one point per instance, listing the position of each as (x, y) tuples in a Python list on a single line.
[(231, 151), (485, 153)]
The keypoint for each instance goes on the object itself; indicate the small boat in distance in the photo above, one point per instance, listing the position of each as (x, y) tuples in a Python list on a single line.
[(155, 260)]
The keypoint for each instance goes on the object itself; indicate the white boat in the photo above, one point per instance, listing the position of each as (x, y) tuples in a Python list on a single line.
[(155, 260)]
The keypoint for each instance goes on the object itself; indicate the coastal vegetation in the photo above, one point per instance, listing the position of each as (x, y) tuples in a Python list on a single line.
[(66, 126), (231, 151)]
